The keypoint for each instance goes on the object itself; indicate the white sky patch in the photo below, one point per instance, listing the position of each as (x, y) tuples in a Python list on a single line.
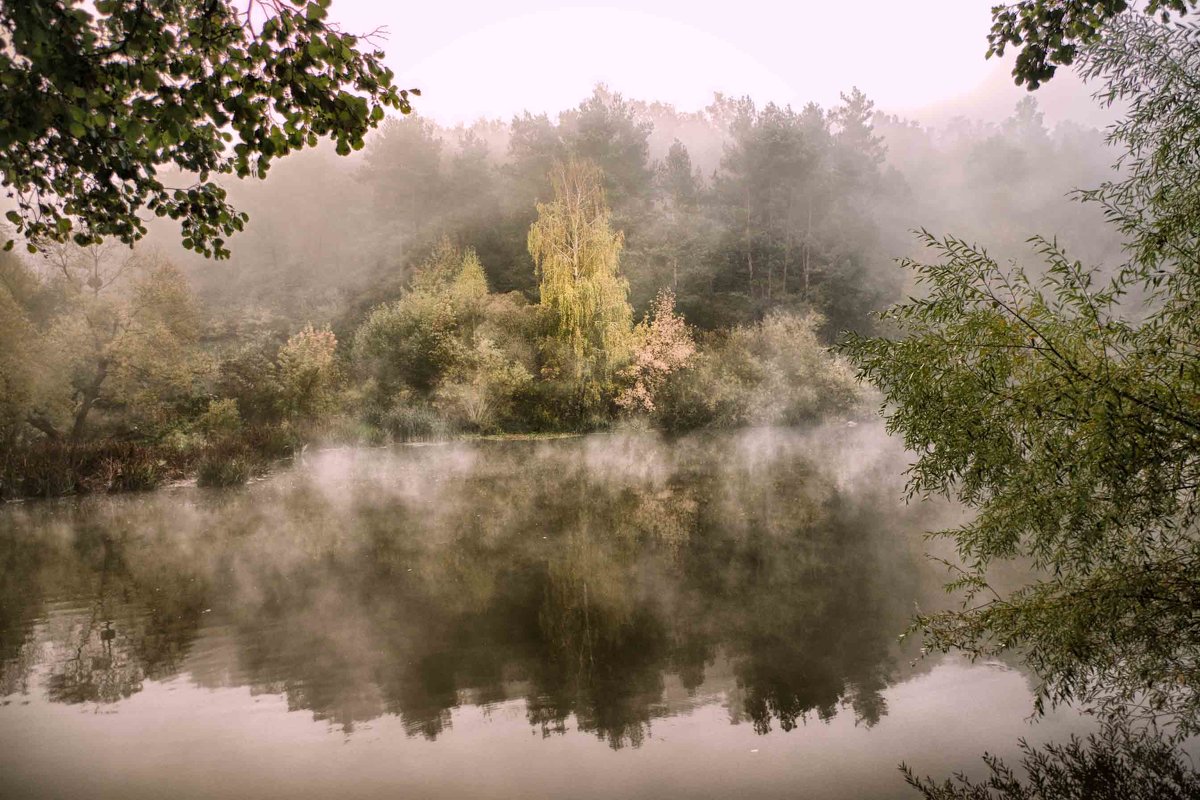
[(475, 59), (637, 54)]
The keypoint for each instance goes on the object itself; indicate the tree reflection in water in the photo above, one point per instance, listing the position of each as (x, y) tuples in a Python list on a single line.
[(607, 581)]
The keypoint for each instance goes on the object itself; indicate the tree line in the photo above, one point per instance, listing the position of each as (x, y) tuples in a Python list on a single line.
[(113, 381), (540, 275)]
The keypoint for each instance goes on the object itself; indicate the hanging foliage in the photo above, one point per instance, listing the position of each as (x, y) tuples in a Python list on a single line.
[(577, 257)]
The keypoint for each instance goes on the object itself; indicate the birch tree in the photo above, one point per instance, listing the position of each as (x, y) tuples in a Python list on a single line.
[(577, 254)]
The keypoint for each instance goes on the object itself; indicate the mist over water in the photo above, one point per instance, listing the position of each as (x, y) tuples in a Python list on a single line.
[(622, 615)]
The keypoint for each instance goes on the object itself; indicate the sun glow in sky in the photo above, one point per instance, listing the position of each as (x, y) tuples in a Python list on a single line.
[(477, 59)]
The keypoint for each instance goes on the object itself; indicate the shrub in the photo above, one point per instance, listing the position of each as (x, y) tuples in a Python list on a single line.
[(271, 441), (220, 419), (225, 466), (307, 373), (249, 376), (348, 429), (415, 422), (480, 393), (803, 379), (52, 468), (44, 469), (139, 470), (413, 342), (663, 345), (774, 373), (408, 344), (511, 323)]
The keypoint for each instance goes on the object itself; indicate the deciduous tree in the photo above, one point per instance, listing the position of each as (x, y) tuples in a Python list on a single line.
[(100, 99), (1068, 415), (577, 256), (1049, 33)]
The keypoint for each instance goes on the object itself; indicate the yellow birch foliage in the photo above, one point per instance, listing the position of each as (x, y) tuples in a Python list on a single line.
[(577, 256)]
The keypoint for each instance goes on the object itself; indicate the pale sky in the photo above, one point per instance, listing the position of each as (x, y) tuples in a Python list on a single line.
[(922, 58)]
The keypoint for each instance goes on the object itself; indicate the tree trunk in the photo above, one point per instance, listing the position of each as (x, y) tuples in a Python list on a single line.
[(807, 248), (749, 246), (43, 424), (87, 400)]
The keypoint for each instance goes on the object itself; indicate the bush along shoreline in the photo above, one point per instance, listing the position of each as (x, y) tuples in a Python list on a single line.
[(49, 468)]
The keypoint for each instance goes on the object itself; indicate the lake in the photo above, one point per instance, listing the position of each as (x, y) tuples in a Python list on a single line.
[(608, 616)]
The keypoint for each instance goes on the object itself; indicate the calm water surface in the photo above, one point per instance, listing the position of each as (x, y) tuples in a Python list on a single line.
[(601, 617)]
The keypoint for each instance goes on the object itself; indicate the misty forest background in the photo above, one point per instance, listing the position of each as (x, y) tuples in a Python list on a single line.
[(413, 291)]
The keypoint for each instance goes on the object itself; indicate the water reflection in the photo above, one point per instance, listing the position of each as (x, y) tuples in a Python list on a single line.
[(605, 582)]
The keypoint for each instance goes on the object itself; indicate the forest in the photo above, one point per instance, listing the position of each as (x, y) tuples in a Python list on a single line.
[(625, 264)]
